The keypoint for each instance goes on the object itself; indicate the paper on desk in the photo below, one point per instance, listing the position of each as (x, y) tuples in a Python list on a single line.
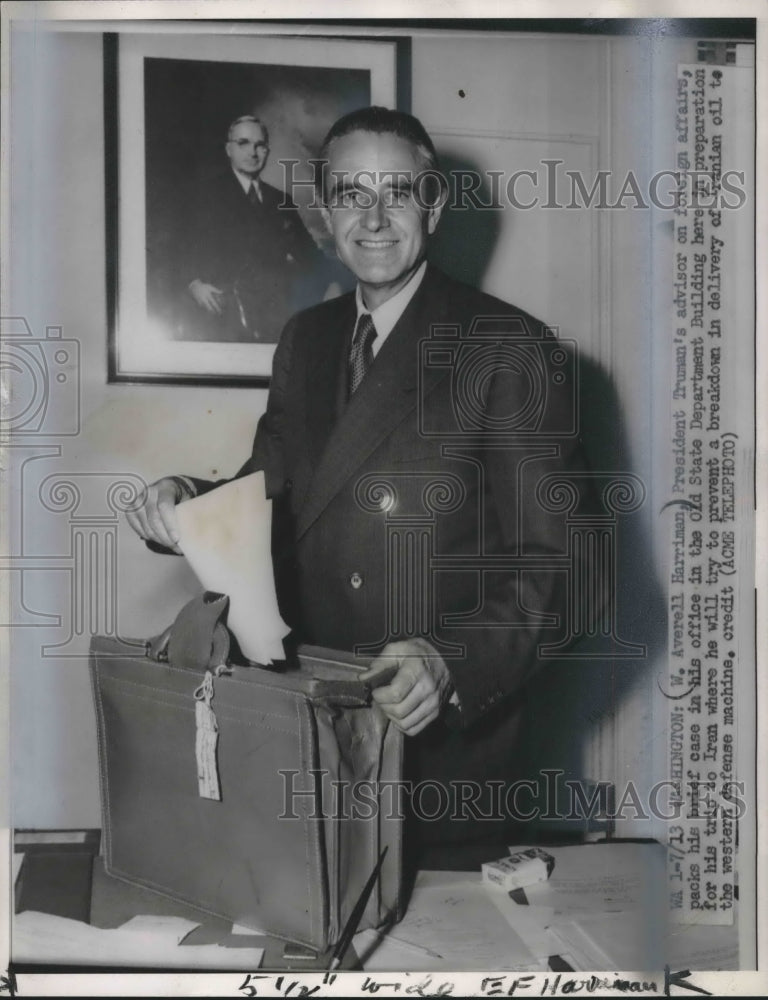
[(241, 929), (599, 878), (530, 923), (602, 942), (616, 940), (388, 952), (44, 938), (155, 928), (226, 538), (607, 893), (456, 925), (703, 947)]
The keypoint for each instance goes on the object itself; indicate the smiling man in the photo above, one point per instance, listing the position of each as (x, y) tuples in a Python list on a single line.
[(246, 261), (399, 510), (374, 209)]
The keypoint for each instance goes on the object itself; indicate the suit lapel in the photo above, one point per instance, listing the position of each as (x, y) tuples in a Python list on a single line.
[(386, 396), (325, 367)]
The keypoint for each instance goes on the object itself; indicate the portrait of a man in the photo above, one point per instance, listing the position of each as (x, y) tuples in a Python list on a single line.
[(249, 259), (232, 253)]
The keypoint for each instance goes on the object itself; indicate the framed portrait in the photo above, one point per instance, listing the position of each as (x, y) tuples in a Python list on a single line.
[(214, 230)]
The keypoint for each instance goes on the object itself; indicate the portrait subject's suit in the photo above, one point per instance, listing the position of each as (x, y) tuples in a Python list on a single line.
[(390, 508), (257, 252)]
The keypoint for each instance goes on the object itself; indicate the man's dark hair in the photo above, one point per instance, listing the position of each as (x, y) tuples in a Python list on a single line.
[(384, 121)]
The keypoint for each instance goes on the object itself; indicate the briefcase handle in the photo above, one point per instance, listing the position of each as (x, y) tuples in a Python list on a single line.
[(198, 640)]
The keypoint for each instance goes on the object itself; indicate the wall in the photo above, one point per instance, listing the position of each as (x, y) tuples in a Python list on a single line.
[(558, 266)]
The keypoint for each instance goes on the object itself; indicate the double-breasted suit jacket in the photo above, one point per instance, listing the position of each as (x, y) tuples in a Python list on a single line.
[(419, 507)]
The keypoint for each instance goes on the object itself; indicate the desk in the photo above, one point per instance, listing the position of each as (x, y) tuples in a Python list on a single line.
[(453, 923), (603, 909)]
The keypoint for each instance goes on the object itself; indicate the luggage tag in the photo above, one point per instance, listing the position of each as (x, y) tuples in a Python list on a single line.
[(196, 641), (207, 740)]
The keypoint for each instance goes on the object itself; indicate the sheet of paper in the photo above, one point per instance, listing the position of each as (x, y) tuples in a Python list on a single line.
[(226, 538), (629, 941), (530, 923), (605, 906), (242, 929), (455, 925), (601, 878), (609, 941), (698, 946), (584, 954), (43, 938), (606, 893), (154, 928), (381, 952)]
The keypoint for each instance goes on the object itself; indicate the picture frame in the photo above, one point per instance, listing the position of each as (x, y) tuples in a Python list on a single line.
[(170, 100)]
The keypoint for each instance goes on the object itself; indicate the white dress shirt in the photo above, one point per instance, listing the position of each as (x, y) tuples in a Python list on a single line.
[(385, 317)]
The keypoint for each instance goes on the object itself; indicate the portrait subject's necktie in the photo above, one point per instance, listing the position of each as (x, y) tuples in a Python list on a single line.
[(253, 195), (361, 353)]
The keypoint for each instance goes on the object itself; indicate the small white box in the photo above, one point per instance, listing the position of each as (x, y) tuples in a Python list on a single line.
[(520, 869)]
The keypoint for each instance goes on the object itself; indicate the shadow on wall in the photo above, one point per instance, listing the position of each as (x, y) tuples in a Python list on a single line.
[(467, 235), (569, 699)]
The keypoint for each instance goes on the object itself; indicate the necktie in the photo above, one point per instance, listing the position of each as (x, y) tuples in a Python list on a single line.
[(253, 196), (361, 354)]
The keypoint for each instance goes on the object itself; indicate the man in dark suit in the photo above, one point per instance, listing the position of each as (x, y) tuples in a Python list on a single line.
[(416, 440), (246, 261)]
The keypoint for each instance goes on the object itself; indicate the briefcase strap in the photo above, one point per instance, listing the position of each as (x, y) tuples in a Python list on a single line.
[(198, 639)]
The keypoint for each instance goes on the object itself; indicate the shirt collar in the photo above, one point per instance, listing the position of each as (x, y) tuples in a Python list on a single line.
[(245, 181), (386, 315)]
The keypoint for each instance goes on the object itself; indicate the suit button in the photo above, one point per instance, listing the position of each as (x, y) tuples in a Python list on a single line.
[(356, 581)]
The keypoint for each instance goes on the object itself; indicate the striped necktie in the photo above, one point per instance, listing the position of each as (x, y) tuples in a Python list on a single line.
[(361, 354)]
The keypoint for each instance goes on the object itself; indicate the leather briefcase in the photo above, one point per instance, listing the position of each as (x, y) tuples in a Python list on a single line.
[(263, 797)]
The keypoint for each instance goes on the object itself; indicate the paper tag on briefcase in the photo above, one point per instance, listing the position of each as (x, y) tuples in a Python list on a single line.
[(206, 741)]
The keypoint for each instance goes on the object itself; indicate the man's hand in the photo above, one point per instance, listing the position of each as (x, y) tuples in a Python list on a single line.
[(418, 692), (207, 296), (154, 517)]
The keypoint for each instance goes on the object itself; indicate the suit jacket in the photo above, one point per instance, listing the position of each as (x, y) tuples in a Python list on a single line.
[(259, 254), (394, 512)]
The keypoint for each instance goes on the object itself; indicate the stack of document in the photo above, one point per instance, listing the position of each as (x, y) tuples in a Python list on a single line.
[(456, 922), (608, 906), (603, 908)]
